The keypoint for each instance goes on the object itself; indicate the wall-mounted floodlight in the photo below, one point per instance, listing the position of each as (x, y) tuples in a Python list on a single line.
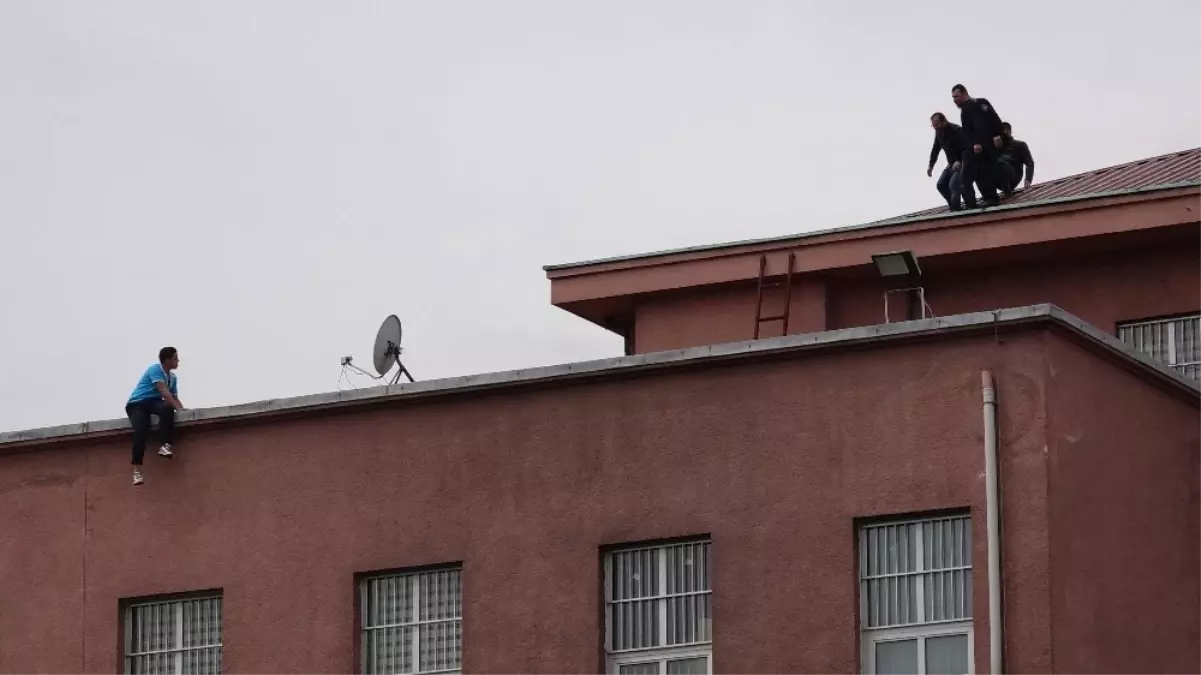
[(902, 266), (897, 264)]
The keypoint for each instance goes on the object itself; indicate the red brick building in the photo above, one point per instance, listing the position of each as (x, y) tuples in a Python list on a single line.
[(814, 500)]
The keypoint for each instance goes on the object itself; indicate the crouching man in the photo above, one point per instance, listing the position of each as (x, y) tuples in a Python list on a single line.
[(157, 393)]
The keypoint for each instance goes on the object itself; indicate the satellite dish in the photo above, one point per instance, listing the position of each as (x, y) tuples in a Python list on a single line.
[(385, 355), (387, 345), (387, 349)]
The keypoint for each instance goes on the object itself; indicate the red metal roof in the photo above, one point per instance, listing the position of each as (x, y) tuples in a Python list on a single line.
[(1174, 167)]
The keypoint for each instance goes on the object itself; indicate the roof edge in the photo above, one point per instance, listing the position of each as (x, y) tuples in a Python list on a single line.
[(899, 220), (33, 438)]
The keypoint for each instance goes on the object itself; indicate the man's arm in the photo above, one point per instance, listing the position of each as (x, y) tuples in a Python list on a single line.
[(933, 156), (1027, 161), (167, 395), (994, 121), (166, 388), (956, 140)]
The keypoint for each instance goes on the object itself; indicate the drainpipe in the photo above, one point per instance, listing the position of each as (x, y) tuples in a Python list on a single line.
[(993, 511)]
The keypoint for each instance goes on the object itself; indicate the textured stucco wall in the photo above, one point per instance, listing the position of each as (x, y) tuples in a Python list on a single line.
[(1125, 519), (773, 459)]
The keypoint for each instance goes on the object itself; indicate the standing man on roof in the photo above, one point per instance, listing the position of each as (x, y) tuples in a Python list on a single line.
[(157, 393), (949, 138), (1015, 156), (982, 138)]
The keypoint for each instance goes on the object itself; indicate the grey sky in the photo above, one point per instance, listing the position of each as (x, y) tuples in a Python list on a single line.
[(260, 183)]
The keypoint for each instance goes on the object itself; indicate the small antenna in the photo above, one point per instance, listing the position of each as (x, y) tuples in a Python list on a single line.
[(386, 353)]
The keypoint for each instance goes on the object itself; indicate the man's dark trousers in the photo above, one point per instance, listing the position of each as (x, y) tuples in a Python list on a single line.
[(1007, 176), (978, 169), (139, 416), (950, 186)]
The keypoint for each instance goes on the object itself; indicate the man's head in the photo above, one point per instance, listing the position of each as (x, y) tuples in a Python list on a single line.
[(938, 120), (1006, 130), (169, 357), (959, 95)]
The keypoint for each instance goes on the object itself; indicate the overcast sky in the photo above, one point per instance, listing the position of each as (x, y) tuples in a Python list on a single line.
[(260, 183)]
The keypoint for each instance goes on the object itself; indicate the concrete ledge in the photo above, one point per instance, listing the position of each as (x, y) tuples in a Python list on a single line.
[(780, 346)]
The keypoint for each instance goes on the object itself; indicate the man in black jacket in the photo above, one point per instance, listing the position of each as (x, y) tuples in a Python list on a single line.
[(1014, 157), (948, 138), (981, 139)]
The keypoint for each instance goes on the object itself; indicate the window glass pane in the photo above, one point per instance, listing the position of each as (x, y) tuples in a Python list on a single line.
[(153, 664), (441, 595), (152, 628), (202, 661), (634, 574), (948, 595), (1149, 338), (1188, 340), (687, 568), (651, 668), (689, 619), (897, 657), (635, 624), (441, 645), (946, 655), (202, 622), (388, 650), (693, 666), (387, 601)]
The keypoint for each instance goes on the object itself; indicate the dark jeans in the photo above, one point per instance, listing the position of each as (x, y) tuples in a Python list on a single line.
[(978, 169), (139, 416), (950, 186), (1007, 176)]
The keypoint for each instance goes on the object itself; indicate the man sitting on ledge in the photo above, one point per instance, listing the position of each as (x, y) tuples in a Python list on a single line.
[(157, 393)]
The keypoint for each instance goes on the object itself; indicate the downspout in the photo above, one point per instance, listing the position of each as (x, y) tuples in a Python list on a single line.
[(993, 511)]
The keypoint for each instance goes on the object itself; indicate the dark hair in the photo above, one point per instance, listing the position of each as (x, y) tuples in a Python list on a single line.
[(166, 353), (939, 116), (1006, 125), (959, 87)]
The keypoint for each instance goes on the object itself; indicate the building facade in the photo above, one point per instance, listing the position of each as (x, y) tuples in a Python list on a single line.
[(814, 500)]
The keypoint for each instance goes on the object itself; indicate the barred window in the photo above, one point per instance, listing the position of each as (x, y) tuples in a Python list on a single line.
[(174, 637), (658, 609), (1173, 342), (412, 622), (916, 596)]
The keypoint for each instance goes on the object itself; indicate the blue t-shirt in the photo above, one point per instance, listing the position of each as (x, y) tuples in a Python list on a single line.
[(146, 391)]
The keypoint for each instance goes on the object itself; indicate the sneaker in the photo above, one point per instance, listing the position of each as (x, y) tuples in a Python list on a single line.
[(165, 451), (137, 477)]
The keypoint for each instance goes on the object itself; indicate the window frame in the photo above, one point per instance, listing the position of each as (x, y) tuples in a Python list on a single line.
[(177, 603), (920, 631), (662, 655), (362, 583), (1172, 357), (614, 659)]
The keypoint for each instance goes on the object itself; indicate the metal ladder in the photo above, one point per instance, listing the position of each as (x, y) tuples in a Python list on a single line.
[(787, 283)]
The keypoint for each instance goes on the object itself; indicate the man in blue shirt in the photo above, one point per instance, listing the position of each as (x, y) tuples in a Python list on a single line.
[(157, 393)]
